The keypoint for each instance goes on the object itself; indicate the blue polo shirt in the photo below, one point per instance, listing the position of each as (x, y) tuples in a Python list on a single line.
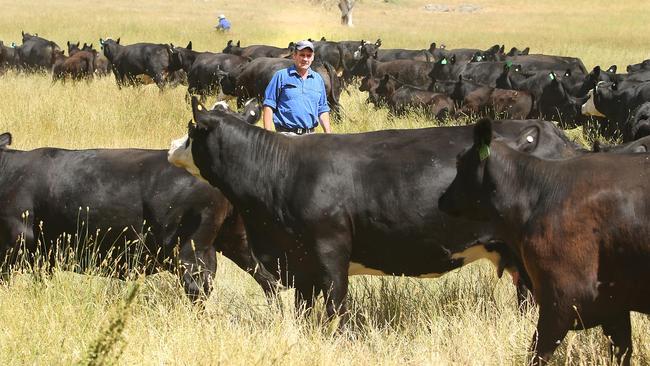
[(296, 103)]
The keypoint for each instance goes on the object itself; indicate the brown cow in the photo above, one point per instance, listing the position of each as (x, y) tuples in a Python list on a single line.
[(580, 226), (79, 66)]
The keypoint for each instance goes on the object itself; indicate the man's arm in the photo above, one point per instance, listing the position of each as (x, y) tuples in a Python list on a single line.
[(325, 122), (267, 118)]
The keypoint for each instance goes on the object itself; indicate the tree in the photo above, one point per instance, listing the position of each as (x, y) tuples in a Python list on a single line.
[(346, 12)]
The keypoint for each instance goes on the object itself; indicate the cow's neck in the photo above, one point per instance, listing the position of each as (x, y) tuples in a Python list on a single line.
[(253, 162), (521, 184)]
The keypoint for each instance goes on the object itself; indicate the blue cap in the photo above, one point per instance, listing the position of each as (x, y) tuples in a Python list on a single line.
[(301, 45)]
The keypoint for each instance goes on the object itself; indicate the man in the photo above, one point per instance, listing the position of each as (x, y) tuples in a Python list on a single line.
[(224, 24), (295, 100)]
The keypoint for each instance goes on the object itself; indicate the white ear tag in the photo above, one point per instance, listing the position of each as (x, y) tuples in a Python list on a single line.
[(530, 138)]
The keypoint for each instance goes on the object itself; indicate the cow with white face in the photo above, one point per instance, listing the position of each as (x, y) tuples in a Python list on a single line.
[(325, 206)]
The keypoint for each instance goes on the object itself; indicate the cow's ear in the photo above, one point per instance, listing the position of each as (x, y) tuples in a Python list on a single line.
[(525, 51), (101, 41), (323, 39), (432, 46), (378, 43), (238, 43), (5, 139), (68, 43), (640, 149), (596, 70), (502, 49), (78, 43), (528, 139), (612, 69), (229, 43), (198, 112), (90, 46), (118, 41), (483, 137), (189, 45)]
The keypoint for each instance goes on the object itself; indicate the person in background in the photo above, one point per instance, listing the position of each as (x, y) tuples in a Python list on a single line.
[(295, 100), (224, 24)]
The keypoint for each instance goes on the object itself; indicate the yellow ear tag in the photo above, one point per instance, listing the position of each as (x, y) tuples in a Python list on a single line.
[(483, 152), (198, 106)]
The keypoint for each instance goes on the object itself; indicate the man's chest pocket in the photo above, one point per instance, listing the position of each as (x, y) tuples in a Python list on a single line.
[(291, 90)]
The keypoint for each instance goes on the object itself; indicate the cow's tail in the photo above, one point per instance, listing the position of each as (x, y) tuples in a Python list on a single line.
[(332, 98)]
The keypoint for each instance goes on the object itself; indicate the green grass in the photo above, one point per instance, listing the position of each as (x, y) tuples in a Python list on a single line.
[(468, 317)]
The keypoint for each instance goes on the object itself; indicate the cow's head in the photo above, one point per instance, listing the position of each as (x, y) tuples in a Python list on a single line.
[(73, 48), (644, 65), (557, 104), (639, 124), (110, 47), (5, 140), (199, 151), (601, 99), (231, 48), (443, 68), (468, 193), (180, 57)]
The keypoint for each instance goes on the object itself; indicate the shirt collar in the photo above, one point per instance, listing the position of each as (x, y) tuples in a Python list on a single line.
[(292, 70)]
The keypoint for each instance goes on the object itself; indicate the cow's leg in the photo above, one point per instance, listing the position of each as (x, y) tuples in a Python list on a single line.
[(553, 324), (619, 330), (334, 261), (305, 293), (159, 79), (197, 268)]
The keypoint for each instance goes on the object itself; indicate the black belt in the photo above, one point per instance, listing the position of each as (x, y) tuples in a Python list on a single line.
[(297, 131)]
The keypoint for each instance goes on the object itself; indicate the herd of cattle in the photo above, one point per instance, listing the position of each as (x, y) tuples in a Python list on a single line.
[(570, 225)]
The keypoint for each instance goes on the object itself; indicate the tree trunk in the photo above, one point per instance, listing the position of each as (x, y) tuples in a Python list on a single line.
[(346, 12)]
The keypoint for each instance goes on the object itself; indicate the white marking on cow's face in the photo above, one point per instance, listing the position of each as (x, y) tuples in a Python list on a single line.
[(180, 155), (477, 252), (223, 104), (589, 108)]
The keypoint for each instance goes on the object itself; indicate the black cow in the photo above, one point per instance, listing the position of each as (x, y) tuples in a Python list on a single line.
[(255, 51), (106, 199), (412, 72), (542, 62), (393, 54), (464, 55), (36, 53), (580, 226), (641, 66), (128, 62), (606, 100), (400, 97), (250, 80), (336, 205), (639, 125), (9, 56), (204, 69)]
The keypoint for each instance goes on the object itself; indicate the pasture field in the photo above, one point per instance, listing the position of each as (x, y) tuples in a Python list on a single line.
[(468, 317)]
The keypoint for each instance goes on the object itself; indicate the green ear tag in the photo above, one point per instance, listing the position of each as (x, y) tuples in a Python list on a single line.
[(483, 152), (444, 61), (551, 76), (509, 63)]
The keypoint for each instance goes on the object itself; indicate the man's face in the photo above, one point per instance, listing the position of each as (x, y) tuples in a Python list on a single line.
[(303, 58)]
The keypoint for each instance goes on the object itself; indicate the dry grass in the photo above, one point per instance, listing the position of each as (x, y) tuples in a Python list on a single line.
[(465, 318)]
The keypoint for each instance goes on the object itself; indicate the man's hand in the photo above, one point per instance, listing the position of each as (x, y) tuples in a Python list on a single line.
[(325, 122)]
